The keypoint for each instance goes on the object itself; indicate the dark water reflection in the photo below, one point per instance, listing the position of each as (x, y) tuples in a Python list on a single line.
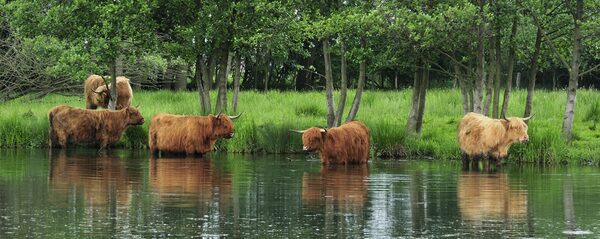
[(80, 194)]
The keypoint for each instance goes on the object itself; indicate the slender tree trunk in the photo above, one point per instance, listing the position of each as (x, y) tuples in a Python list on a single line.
[(343, 87), (533, 73), (202, 92), (497, 78), (422, 97), (222, 83), (119, 65), (396, 80), (574, 73), (212, 68), (479, 82), (267, 75), (112, 103), (554, 79), (328, 85), (237, 72), (362, 71), (511, 65), (463, 88), (490, 82), (181, 78), (411, 124)]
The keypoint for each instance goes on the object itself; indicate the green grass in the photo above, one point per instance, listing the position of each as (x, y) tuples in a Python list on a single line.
[(269, 116)]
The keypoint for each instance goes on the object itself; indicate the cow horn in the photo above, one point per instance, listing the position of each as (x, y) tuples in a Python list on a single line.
[(323, 130), (219, 114), (107, 87), (96, 92), (528, 118), (298, 131), (235, 117)]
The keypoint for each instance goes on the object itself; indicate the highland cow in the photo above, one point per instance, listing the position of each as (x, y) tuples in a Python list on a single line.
[(84, 126), (346, 144), (100, 96), (188, 134), (480, 136)]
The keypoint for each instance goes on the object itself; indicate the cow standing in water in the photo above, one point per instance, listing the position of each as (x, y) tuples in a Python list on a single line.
[(480, 136), (84, 126), (346, 144), (188, 134)]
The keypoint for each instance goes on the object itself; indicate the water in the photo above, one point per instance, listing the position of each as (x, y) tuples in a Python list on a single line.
[(80, 194)]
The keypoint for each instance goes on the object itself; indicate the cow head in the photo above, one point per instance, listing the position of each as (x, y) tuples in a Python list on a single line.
[(223, 125), (102, 95), (313, 138), (134, 116), (516, 129)]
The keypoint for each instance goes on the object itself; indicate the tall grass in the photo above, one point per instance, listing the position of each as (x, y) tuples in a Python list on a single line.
[(268, 118)]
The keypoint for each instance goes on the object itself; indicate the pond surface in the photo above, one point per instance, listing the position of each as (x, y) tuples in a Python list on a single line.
[(79, 194)]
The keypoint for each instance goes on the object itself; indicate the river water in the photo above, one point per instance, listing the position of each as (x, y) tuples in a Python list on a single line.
[(125, 194)]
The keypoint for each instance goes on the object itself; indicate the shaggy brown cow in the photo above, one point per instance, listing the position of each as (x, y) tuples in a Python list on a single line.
[(94, 99), (89, 126), (188, 134), (346, 144), (100, 95), (479, 135)]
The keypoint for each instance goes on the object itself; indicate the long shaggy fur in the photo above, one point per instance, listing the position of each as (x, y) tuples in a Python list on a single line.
[(93, 100), (84, 126), (188, 134), (347, 144), (101, 96), (479, 135)]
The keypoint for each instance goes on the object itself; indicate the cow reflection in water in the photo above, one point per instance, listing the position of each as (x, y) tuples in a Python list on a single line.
[(102, 181), (189, 182), (339, 193), (484, 197)]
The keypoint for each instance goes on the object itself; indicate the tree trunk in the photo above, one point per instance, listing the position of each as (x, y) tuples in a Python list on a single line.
[(573, 74), (479, 82), (533, 72), (112, 103), (462, 84), (411, 124), (422, 97), (511, 65), (212, 68), (396, 80), (328, 85), (362, 70), (489, 84), (222, 82), (202, 92), (554, 79), (237, 72), (268, 74), (497, 77), (181, 78), (343, 87)]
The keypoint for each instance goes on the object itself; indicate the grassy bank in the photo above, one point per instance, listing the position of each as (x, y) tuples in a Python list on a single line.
[(268, 117)]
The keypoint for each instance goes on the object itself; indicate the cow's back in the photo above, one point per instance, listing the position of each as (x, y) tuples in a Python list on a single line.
[(79, 124), (348, 143), (175, 133), (125, 93)]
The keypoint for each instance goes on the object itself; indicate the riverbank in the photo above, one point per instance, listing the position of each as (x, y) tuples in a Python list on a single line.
[(264, 127)]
